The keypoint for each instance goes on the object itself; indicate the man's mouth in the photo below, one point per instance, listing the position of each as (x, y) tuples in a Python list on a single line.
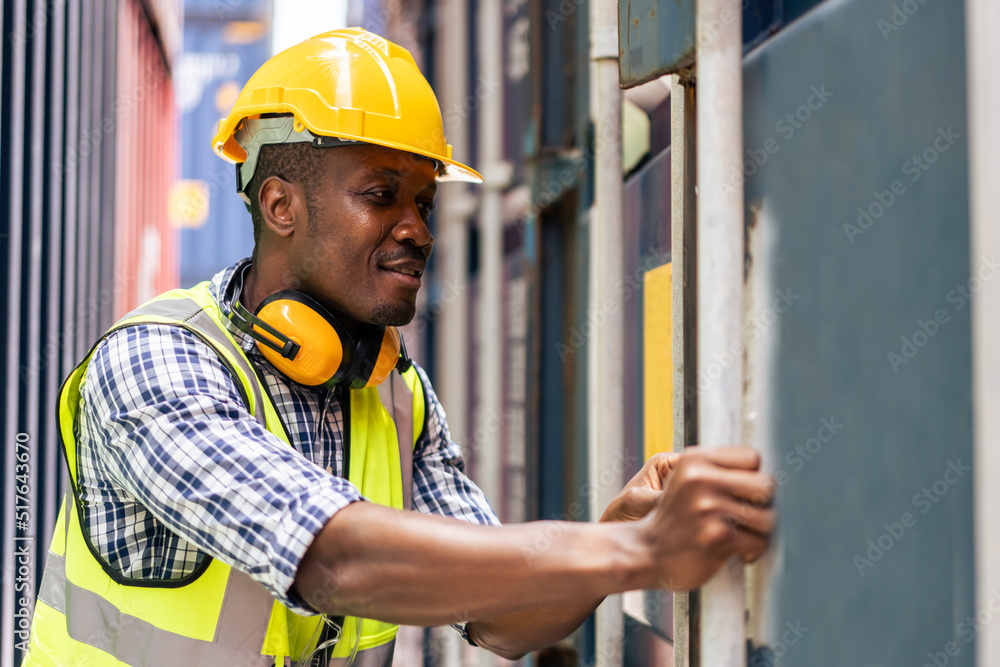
[(407, 272)]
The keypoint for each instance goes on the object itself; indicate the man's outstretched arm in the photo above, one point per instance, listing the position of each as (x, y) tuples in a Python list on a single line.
[(377, 562), (513, 635)]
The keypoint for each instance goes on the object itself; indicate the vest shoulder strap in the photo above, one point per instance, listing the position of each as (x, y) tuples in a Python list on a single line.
[(197, 311)]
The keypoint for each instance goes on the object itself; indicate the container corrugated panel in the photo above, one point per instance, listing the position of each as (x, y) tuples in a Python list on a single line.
[(63, 112), (145, 256)]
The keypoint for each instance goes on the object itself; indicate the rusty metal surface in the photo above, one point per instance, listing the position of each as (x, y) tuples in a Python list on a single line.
[(657, 38), (654, 38)]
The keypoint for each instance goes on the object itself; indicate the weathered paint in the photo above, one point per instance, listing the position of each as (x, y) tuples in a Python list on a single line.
[(657, 38), (654, 38)]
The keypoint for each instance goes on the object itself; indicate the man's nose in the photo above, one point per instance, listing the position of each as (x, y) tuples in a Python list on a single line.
[(414, 229)]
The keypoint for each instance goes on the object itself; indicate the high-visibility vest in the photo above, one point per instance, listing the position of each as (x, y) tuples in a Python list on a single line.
[(87, 614)]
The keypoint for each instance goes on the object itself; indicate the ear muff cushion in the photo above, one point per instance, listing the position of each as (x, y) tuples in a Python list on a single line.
[(386, 359), (321, 358)]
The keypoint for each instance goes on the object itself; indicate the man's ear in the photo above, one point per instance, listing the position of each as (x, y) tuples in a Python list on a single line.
[(282, 205)]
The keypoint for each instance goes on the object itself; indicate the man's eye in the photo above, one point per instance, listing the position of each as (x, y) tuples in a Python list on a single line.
[(384, 196)]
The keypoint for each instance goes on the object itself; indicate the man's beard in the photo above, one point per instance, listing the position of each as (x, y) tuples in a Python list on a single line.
[(393, 314)]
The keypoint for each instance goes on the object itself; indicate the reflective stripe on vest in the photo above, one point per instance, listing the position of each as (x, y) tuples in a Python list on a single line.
[(87, 614)]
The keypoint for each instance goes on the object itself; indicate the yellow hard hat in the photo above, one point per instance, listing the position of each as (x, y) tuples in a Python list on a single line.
[(350, 84)]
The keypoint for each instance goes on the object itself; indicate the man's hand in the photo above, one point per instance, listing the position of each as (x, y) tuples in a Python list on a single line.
[(715, 504), (525, 586), (643, 491)]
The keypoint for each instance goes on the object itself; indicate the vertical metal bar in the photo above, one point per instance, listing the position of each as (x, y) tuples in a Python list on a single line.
[(15, 160), (82, 172), (109, 131), (69, 172), (983, 52), (605, 350), (452, 332), (96, 172), (128, 169), (122, 141), (682, 257), (720, 291), (7, 637), (55, 336), (487, 440), (452, 369)]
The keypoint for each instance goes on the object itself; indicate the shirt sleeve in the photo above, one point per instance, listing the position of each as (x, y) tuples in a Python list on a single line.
[(170, 427), (440, 485)]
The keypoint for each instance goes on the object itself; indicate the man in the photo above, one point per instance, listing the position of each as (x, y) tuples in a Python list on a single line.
[(243, 454)]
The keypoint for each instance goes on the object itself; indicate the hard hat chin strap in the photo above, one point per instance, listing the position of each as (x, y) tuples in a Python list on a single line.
[(253, 133)]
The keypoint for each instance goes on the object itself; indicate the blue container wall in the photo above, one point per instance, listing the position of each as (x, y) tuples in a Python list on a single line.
[(220, 54), (857, 194)]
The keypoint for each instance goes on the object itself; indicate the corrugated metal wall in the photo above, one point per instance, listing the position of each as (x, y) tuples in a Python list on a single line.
[(145, 165), (83, 82)]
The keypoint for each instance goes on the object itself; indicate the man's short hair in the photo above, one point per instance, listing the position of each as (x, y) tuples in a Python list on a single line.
[(299, 163)]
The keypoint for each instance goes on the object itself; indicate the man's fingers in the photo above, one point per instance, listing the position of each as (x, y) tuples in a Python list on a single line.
[(742, 516), (639, 502), (754, 487), (657, 468), (737, 456), (748, 546)]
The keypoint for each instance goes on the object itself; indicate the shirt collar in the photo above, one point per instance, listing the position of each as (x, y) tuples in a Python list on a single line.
[(222, 288)]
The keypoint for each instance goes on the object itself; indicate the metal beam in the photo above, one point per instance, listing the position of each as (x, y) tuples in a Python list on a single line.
[(682, 302), (605, 349), (720, 291), (983, 52)]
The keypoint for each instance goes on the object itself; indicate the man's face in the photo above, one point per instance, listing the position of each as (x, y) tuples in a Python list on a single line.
[(367, 240)]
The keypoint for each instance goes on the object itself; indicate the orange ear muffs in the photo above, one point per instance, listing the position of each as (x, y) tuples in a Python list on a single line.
[(310, 346), (325, 349), (378, 355)]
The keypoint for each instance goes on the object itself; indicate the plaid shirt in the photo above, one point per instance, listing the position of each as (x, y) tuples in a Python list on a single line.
[(173, 468)]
